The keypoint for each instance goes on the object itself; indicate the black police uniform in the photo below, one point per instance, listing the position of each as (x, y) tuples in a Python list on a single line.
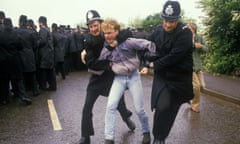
[(27, 55), (172, 84), (12, 45), (77, 42), (45, 60), (59, 43)]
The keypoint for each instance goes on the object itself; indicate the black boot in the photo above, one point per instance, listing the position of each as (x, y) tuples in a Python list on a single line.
[(26, 101), (22, 93), (146, 138), (109, 141), (85, 140), (131, 125), (156, 141)]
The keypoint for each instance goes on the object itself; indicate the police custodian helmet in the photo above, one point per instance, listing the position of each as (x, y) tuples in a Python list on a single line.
[(43, 20), (171, 11), (93, 15)]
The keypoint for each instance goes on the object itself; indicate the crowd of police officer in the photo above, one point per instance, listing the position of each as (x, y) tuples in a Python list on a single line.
[(30, 60)]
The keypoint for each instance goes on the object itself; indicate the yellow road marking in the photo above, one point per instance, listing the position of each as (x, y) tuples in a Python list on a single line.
[(53, 115)]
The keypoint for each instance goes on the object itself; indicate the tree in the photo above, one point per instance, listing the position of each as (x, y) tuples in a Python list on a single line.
[(151, 22), (223, 35), (137, 22)]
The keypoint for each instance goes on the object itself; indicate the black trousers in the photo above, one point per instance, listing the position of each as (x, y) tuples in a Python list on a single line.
[(18, 88), (47, 76), (4, 82), (60, 68), (165, 114), (30, 82), (87, 122)]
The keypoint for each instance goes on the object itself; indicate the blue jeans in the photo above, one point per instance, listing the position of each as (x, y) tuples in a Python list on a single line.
[(120, 84)]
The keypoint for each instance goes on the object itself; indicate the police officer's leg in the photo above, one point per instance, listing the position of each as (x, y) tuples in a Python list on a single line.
[(42, 78), (87, 122), (4, 84), (19, 90), (61, 65), (34, 84), (51, 78), (125, 114), (164, 116)]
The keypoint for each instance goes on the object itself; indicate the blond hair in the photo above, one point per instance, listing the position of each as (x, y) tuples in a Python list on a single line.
[(110, 24)]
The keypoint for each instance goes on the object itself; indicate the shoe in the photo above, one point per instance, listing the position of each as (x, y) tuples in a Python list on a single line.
[(195, 109), (37, 93), (51, 89), (146, 138), (85, 140), (4, 102), (26, 101), (131, 125), (109, 141), (156, 141)]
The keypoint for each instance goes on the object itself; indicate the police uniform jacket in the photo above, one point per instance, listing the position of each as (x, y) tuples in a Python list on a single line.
[(59, 43), (10, 44), (100, 84), (77, 41), (173, 70), (45, 54), (27, 53)]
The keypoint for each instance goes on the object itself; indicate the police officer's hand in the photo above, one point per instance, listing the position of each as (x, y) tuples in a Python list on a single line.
[(150, 56), (83, 56)]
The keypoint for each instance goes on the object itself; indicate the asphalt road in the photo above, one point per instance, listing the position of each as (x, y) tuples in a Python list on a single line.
[(217, 123)]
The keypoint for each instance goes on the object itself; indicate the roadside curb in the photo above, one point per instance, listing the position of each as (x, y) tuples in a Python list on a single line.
[(221, 96), (217, 94)]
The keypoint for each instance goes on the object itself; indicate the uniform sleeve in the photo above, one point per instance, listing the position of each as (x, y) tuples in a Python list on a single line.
[(93, 48), (180, 50)]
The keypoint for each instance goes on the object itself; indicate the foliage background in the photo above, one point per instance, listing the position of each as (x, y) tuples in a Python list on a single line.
[(222, 32)]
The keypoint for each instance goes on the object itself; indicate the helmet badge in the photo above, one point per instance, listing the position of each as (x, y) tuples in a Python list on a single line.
[(90, 15), (169, 10)]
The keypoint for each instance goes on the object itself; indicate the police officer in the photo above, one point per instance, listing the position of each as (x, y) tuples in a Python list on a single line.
[(172, 84), (45, 57), (77, 42), (2, 17), (4, 83), (59, 43), (11, 43), (28, 55), (98, 84)]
